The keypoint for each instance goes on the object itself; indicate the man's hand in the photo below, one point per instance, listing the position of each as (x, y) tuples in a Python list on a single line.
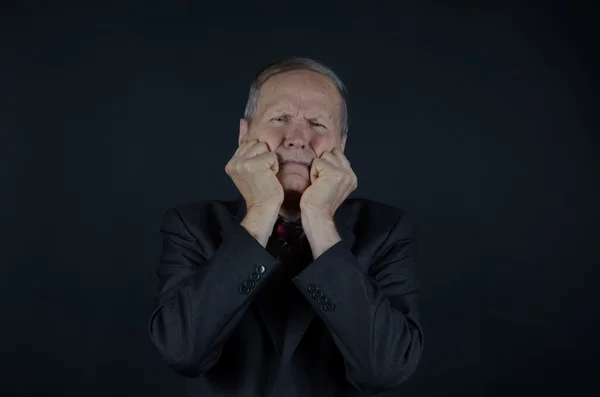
[(253, 169), (332, 181)]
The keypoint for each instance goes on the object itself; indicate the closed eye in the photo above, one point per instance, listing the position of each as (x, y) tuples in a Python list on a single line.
[(315, 124), (281, 119)]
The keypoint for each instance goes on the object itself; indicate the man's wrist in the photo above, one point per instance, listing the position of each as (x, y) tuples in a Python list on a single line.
[(259, 221), (320, 231)]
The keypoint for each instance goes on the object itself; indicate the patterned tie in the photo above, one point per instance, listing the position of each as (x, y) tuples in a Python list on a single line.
[(291, 246), (289, 233)]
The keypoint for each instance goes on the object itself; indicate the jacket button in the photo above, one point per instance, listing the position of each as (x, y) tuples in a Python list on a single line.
[(249, 284), (260, 269), (254, 276), (328, 307), (322, 300), (244, 290), (317, 294), (312, 288)]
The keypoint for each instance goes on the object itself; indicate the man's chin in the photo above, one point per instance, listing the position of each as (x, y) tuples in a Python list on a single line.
[(291, 193), (294, 185)]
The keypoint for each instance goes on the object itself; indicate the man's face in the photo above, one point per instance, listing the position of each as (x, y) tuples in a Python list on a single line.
[(298, 118)]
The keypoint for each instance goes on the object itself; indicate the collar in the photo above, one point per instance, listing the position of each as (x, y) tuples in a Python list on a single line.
[(343, 218)]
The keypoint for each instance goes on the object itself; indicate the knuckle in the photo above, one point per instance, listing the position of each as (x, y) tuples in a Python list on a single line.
[(245, 166)]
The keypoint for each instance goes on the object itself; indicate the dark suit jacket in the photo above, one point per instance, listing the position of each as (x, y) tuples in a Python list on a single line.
[(354, 328)]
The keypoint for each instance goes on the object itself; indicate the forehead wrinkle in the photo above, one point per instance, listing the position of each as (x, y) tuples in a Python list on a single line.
[(317, 91), (295, 104)]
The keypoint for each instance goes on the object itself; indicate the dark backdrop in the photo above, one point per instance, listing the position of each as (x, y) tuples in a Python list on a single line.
[(474, 117)]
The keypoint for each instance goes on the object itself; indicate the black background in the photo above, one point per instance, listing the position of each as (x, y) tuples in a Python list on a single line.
[(475, 117)]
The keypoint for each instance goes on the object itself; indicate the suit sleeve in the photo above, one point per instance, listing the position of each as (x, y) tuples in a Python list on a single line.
[(373, 318), (203, 293)]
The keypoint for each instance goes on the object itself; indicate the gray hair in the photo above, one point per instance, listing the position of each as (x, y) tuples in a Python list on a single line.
[(288, 65)]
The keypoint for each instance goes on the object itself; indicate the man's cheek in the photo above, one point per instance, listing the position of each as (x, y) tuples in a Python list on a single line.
[(271, 139), (319, 151), (322, 146)]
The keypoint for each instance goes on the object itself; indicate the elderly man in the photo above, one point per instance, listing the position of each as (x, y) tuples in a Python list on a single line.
[(293, 289)]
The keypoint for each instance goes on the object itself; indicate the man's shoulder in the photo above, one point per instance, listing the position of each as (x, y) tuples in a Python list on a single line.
[(372, 210), (202, 214), (376, 225), (199, 207)]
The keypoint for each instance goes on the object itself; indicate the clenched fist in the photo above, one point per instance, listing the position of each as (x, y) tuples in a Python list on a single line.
[(253, 169), (332, 180)]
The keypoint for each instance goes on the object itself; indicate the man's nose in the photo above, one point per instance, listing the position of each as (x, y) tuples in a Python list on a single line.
[(295, 143), (296, 139)]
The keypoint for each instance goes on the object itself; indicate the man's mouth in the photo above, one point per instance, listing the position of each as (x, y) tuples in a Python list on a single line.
[(300, 162)]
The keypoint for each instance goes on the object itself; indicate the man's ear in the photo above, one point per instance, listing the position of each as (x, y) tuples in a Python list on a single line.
[(343, 142), (243, 131)]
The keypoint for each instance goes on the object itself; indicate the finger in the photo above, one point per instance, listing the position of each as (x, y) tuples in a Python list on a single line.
[(263, 162), (255, 150), (319, 165), (245, 146), (314, 167), (341, 156), (332, 158)]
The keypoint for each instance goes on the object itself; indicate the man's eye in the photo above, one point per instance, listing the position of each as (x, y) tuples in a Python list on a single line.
[(313, 124), (279, 118)]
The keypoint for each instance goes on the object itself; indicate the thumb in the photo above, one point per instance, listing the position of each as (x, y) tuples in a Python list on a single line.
[(315, 169), (273, 162)]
